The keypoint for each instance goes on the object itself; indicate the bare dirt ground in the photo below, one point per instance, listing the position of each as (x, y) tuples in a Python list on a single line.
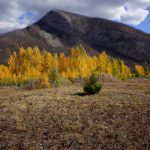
[(118, 118)]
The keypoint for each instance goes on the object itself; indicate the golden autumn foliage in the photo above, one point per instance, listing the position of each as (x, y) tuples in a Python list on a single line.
[(31, 63), (140, 72), (4, 73)]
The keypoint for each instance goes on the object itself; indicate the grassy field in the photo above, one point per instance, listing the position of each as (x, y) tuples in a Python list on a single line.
[(118, 118)]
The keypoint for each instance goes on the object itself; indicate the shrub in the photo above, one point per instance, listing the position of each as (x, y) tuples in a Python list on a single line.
[(6, 82), (37, 83), (55, 78), (92, 86), (107, 78), (30, 84)]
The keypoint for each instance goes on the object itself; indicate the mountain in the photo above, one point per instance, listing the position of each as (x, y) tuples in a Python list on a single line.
[(58, 30)]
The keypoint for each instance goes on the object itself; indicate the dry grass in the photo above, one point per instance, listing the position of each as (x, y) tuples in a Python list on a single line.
[(117, 118)]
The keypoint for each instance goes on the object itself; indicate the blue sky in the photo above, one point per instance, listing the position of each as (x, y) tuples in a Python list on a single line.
[(145, 25), (27, 15), (17, 14)]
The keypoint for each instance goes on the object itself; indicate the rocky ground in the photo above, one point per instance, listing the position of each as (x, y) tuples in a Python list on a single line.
[(65, 118)]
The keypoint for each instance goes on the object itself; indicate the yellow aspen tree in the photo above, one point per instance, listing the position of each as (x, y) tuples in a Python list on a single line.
[(116, 68), (125, 71), (109, 69), (36, 59), (102, 62), (12, 63), (63, 63), (47, 62), (139, 70), (5, 73)]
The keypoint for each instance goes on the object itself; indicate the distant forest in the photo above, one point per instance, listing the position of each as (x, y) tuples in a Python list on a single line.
[(31, 64)]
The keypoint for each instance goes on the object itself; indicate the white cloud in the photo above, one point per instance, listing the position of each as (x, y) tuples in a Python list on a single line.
[(131, 17), (126, 11)]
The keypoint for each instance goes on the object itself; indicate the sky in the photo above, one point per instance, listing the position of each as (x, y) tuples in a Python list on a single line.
[(145, 25), (16, 14)]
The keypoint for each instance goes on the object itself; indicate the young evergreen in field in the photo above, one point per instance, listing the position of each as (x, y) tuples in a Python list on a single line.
[(92, 86)]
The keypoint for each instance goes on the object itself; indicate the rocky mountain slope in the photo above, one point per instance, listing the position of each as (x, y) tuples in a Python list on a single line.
[(58, 30)]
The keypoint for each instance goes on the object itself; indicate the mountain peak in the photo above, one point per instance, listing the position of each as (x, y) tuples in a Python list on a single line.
[(59, 11), (61, 20), (63, 12)]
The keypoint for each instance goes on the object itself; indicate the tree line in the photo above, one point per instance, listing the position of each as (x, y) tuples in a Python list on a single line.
[(31, 63)]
